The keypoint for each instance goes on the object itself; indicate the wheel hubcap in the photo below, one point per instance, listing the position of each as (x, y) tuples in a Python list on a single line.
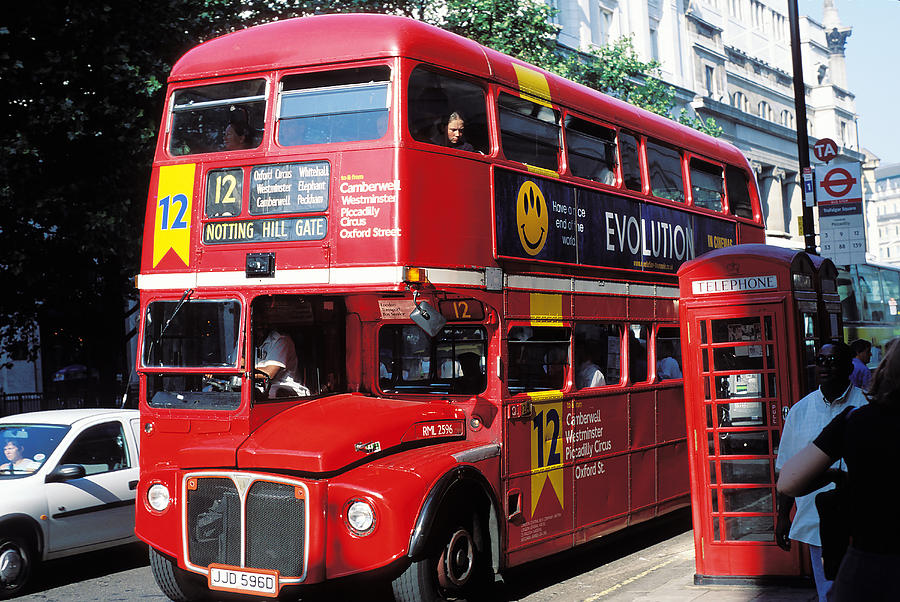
[(457, 560), (10, 565)]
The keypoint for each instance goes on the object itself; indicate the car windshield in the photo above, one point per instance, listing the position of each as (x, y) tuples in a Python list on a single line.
[(27, 446)]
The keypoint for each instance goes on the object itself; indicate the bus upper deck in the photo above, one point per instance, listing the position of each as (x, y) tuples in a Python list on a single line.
[(341, 167)]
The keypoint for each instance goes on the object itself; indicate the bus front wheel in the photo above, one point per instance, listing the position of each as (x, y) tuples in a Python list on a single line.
[(177, 584), (454, 569)]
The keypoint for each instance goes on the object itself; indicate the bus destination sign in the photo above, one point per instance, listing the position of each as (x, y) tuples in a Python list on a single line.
[(265, 230), (289, 188)]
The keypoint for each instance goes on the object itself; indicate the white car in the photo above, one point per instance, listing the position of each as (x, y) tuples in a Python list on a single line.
[(67, 485)]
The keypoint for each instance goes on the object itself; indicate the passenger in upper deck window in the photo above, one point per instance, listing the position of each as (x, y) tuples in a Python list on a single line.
[(451, 133), (237, 132)]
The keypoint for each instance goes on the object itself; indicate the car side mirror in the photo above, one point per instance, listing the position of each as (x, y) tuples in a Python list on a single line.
[(66, 472)]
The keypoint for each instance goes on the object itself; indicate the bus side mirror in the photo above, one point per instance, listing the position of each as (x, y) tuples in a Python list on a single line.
[(428, 318)]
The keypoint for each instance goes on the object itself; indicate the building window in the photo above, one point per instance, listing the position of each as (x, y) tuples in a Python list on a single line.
[(654, 41), (765, 110), (602, 26), (710, 79), (739, 101), (787, 118)]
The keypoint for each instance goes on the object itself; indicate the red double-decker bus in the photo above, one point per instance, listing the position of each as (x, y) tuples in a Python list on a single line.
[(409, 305)]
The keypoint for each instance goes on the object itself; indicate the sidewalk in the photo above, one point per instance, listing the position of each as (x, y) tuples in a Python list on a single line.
[(661, 572)]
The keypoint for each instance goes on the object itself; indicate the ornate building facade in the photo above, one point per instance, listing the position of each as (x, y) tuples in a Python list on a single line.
[(731, 60)]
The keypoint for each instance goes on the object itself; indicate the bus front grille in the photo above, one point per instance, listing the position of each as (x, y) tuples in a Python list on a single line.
[(274, 528)]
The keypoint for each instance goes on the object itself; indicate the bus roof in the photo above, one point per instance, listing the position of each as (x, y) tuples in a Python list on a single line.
[(323, 39)]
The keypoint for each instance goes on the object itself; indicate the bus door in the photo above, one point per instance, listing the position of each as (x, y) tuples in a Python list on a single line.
[(539, 487)]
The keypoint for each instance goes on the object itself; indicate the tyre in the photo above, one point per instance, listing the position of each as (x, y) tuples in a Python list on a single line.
[(176, 583), (17, 559), (454, 569)]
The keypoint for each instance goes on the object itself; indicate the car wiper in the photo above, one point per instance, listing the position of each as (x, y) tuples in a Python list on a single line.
[(158, 338)]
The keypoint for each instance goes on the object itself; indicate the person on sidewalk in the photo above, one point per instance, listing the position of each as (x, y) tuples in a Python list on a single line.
[(862, 355), (865, 439), (804, 422)]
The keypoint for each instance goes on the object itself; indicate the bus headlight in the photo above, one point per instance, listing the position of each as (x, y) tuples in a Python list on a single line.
[(158, 497), (360, 517)]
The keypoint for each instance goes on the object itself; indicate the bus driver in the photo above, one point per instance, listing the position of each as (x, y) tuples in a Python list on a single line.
[(277, 357)]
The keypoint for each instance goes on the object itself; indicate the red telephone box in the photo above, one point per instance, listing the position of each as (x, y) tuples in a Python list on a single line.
[(750, 323)]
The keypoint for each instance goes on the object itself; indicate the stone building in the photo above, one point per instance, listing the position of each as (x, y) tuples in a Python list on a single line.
[(731, 60), (884, 211)]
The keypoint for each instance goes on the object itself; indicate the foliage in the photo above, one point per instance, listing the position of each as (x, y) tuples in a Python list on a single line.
[(81, 101)]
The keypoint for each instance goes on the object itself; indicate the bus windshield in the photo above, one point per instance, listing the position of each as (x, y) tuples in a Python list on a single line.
[(192, 333)]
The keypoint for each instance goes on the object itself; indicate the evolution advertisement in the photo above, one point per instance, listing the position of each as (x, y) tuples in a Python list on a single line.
[(548, 220)]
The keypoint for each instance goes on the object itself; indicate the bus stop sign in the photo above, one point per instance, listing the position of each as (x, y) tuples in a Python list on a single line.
[(825, 150)]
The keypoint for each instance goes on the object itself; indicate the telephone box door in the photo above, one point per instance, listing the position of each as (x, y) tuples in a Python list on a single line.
[(739, 387)]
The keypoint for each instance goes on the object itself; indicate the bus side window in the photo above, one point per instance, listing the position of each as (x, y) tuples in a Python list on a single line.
[(597, 355), (707, 185), (737, 186), (529, 132), (638, 336), (591, 150), (538, 358), (434, 97), (631, 162), (664, 169), (668, 353)]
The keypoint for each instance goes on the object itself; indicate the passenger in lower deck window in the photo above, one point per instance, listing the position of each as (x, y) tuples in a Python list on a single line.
[(588, 373), (667, 367)]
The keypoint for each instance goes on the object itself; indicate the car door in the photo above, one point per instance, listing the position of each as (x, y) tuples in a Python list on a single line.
[(98, 508)]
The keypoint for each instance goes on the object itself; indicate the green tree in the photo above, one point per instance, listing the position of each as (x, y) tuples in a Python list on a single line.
[(81, 102)]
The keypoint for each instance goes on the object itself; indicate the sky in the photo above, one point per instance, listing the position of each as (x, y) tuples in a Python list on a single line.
[(872, 55)]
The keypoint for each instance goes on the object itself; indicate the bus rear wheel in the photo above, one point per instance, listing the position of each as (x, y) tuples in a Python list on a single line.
[(455, 569), (177, 584)]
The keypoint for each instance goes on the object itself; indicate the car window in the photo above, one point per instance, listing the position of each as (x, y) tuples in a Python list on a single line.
[(27, 446), (100, 448)]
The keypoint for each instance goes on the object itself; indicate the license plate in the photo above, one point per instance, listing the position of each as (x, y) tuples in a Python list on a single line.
[(234, 579)]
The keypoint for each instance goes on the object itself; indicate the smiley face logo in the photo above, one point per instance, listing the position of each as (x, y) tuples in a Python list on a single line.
[(531, 217)]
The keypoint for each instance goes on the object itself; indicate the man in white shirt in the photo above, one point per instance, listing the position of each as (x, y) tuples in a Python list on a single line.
[(804, 422), (277, 357)]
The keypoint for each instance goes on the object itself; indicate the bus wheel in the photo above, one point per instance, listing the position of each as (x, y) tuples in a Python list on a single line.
[(176, 583), (16, 561), (453, 570)]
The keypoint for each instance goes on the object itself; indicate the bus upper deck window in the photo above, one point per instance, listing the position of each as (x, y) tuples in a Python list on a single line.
[(707, 185), (218, 117), (631, 162), (591, 150), (434, 98), (737, 185), (334, 106), (529, 132), (664, 169)]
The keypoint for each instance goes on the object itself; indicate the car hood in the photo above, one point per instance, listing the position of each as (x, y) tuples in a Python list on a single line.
[(330, 434)]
